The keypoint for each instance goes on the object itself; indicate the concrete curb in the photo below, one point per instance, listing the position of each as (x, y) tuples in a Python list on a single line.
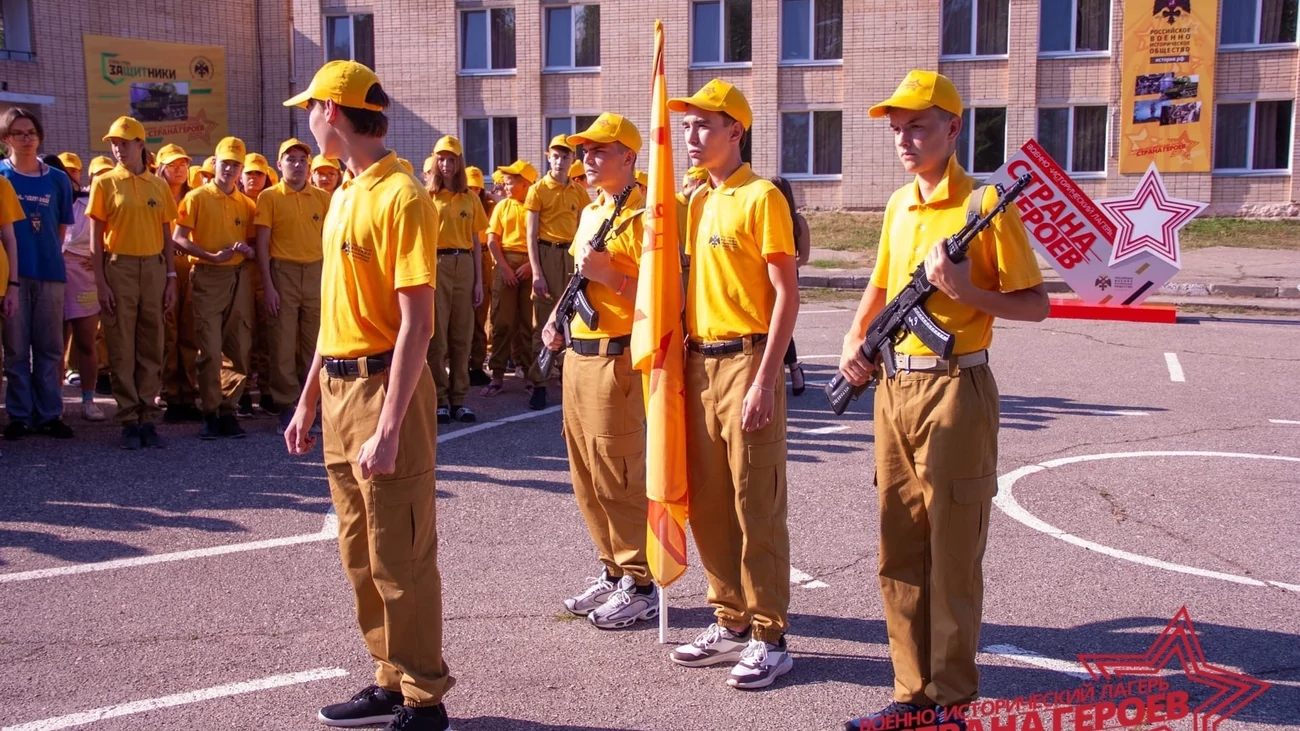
[(1056, 286)]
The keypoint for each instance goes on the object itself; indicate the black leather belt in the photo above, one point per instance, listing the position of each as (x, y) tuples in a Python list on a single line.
[(724, 347), (349, 367), (557, 244), (616, 347), (454, 252)]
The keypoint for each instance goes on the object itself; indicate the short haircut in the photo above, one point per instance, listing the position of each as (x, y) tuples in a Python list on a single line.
[(729, 120), (13, 114), (366, 122)]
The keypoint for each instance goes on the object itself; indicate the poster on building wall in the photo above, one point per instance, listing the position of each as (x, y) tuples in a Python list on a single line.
[(177, 91), (1167, 85)]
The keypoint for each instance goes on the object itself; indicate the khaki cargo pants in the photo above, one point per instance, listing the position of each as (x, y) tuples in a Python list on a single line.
[(738, 494), (936, 474), (291, 334), (223, 324), (482, 329), (180, 349), (134, 334), (557, 268), (512, 323), (453, 331)]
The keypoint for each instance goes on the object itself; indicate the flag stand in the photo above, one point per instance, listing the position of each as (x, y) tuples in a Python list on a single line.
[(663, 616)]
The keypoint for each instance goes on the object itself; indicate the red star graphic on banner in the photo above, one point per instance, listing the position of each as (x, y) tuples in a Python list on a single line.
[(1232, 690), (1149, 220), (1185, 145), (205, 127)]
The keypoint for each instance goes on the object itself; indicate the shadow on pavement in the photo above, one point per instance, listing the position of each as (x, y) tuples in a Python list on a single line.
[(1032, 413)]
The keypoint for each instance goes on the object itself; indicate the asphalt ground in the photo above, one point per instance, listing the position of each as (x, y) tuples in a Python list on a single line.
[(1084, 556)]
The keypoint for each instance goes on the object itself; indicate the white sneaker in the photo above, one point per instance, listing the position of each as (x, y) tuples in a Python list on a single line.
[(598, 591), (625, 606), (90, 411), (714, 646), (760, 665)]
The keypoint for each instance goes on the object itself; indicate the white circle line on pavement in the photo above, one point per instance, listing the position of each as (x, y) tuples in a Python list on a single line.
[(1006, 501), (1175, 368)]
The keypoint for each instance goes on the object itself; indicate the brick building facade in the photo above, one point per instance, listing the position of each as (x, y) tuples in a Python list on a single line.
[(506, 74)]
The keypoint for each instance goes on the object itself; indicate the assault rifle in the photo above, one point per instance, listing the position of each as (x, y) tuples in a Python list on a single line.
[(574, 300), (905, 313)]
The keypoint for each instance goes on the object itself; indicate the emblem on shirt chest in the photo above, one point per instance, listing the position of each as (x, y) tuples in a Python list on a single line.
[(239, 221), (718, 241), (357, 252), (315, 217), (464, 214), (152, 203)]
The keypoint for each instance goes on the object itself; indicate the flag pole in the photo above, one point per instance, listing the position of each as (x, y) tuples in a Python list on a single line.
[(663, 615)]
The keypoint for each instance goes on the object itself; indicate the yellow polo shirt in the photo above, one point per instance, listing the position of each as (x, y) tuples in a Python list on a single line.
[(460, 216), (11, 211), (380, 236), (295, 219), (217, 220), (624, 247), (1001, 258), (510, 222), (559, 206), (133, 209), (734, 230)]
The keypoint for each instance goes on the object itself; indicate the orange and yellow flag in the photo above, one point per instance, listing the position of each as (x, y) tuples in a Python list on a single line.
[(657, 346)]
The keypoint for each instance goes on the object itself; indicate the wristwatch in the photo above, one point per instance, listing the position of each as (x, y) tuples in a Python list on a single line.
[(13, 283)]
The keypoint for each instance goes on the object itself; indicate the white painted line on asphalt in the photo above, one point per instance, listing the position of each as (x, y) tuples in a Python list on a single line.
[(806, 580), (1006, 501), (494, 424), (820, 357), (170, 701), (1175, 368), (1122, 413), (1032, 658), (822, 312), (825, 430), (1284, 421)]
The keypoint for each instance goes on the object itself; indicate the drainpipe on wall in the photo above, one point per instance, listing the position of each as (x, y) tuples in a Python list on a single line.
[(293, 71)]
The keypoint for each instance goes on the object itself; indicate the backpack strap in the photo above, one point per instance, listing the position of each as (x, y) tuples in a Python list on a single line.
[(975, 206)]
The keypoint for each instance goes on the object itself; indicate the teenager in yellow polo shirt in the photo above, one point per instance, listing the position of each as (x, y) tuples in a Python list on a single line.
[(479, 344), (215, 226), (604, 414), (741, 306), (378, 402), (130, 210), (258, 175), (290, 218), (180, 384), (460, 288), (325, 174), (554, 205), (512, 307), (936, 421)]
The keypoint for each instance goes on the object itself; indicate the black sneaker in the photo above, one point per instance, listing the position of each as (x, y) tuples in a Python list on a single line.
[(104, 385), (56, 428), (211, 428), (268, 405), (428, 718), (131, 439), (372, 705), (193, 413), (245, 405), (149, 437), (479, 377), (175, 414), (463, 414), (228, 426), (16, 430), (538, 400), (891, 717), (444, 415)]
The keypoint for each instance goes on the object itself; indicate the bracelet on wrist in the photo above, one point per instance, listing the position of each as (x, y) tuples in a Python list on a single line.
[(761, 387)]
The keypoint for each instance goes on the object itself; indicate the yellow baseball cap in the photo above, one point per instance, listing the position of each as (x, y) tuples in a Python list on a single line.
[(290, 144), (608, 128), (126, 128), (562, 142), (474, 177), (577, 170), (230, 148), (255, 163), (521, 168), (448, 144), (101, 164), (695, 173), (273, 176), (170, 153), (718, 96), (428, 163), (320, 161), (641, 178), (196, 176), (345, 83), (209, 165), (498, 178), (70, 160), (922, 90)]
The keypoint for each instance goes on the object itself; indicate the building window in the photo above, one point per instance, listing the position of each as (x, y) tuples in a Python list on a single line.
[(1253, 136), (350, 38), (810, 143), (1087, 32), (811, 30), (490, 142), (573, 37), (487, 40), (567, 126), (1075, 137), (1258, 22), (975, 27), (720, 31), (982, 145), (15, 31)]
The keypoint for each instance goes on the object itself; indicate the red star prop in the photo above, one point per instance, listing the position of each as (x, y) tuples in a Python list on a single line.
[(1233, 691), (1149, 219), (205, 128)]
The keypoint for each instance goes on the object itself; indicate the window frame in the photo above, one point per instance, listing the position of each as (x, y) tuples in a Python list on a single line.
[(974, 55), (1074, 35), (352, 34), (573, 118), (812, 143), (969, 163), (493, 164), (460, 45), (1068, 163), (1250, 172), (812, 40), (573, 35), (1257, 46), (722, 40), (19, 29)]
